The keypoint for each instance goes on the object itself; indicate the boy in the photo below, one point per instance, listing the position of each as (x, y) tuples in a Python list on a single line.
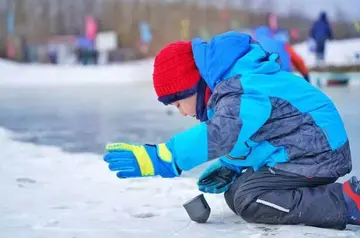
[(286, 135)]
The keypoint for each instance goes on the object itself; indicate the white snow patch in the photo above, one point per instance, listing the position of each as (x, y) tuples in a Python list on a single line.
[(337, 53), (46, 192), (38, 74)]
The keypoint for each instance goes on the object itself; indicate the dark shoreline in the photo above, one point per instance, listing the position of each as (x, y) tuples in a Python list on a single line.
[(337, 69)]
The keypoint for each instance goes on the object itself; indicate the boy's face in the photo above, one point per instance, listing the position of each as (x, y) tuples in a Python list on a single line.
[(187, 106)]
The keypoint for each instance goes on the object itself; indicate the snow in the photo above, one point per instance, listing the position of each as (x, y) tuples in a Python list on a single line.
[(49, 193), (29, 75), (338, 52)]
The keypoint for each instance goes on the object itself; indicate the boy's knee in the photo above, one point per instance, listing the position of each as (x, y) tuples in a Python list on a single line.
[(243, 206), (230, 194), (229, 199), (248, 206), (233, 190), (241, 202)]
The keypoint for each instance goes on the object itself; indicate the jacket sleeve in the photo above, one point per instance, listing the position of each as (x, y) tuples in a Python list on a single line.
[(236, 117)]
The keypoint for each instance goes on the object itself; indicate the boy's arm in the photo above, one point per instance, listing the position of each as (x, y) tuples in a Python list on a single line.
[(236, 118), (210, 139)]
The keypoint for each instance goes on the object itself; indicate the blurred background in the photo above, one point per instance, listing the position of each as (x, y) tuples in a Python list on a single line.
[(77, 74), (103, 31)]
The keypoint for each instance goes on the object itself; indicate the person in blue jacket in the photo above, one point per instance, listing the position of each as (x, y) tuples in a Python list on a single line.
[(321, 32), (278, 143), (290, 60)]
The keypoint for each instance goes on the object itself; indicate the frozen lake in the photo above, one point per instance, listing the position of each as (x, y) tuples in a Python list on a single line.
[(54, 183)]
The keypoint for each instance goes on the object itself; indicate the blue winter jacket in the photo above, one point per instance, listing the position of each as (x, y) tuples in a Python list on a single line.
[(321, 31), (260, 115)]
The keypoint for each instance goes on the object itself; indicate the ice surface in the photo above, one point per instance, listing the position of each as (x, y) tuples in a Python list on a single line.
[(45, 192)]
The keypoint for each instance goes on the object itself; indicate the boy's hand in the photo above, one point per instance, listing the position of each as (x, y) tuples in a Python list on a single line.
[(218, 177), (130, 160)]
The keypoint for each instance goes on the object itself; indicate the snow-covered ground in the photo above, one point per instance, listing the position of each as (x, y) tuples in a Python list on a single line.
[(45, 192), (37, 74), (338, 52)]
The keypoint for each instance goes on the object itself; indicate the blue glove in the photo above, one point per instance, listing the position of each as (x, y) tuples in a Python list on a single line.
[(218, 177), (131, 161)]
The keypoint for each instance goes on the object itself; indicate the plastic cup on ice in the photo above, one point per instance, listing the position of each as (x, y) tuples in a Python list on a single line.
[(198, 209)]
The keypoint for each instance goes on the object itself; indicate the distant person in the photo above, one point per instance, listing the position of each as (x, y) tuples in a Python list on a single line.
[(288, 56), (25, 50), (321, 32), (52, 54), (278, 144)]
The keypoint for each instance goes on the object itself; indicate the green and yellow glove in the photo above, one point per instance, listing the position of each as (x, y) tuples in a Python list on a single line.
[(130, 160)]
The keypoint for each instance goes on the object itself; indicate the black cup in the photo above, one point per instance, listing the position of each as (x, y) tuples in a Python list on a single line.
[(198, 209)]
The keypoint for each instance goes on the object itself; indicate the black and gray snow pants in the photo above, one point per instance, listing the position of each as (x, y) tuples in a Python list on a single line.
[(273, 196)]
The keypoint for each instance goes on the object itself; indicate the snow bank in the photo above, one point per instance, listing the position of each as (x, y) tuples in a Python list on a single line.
[(338, 52), (31, 74)]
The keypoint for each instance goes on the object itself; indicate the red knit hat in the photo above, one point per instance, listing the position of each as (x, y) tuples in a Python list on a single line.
[(175, 74)]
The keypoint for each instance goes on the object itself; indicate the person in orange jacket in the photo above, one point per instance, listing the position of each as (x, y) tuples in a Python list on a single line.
[(297, 62), (289, 58)]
